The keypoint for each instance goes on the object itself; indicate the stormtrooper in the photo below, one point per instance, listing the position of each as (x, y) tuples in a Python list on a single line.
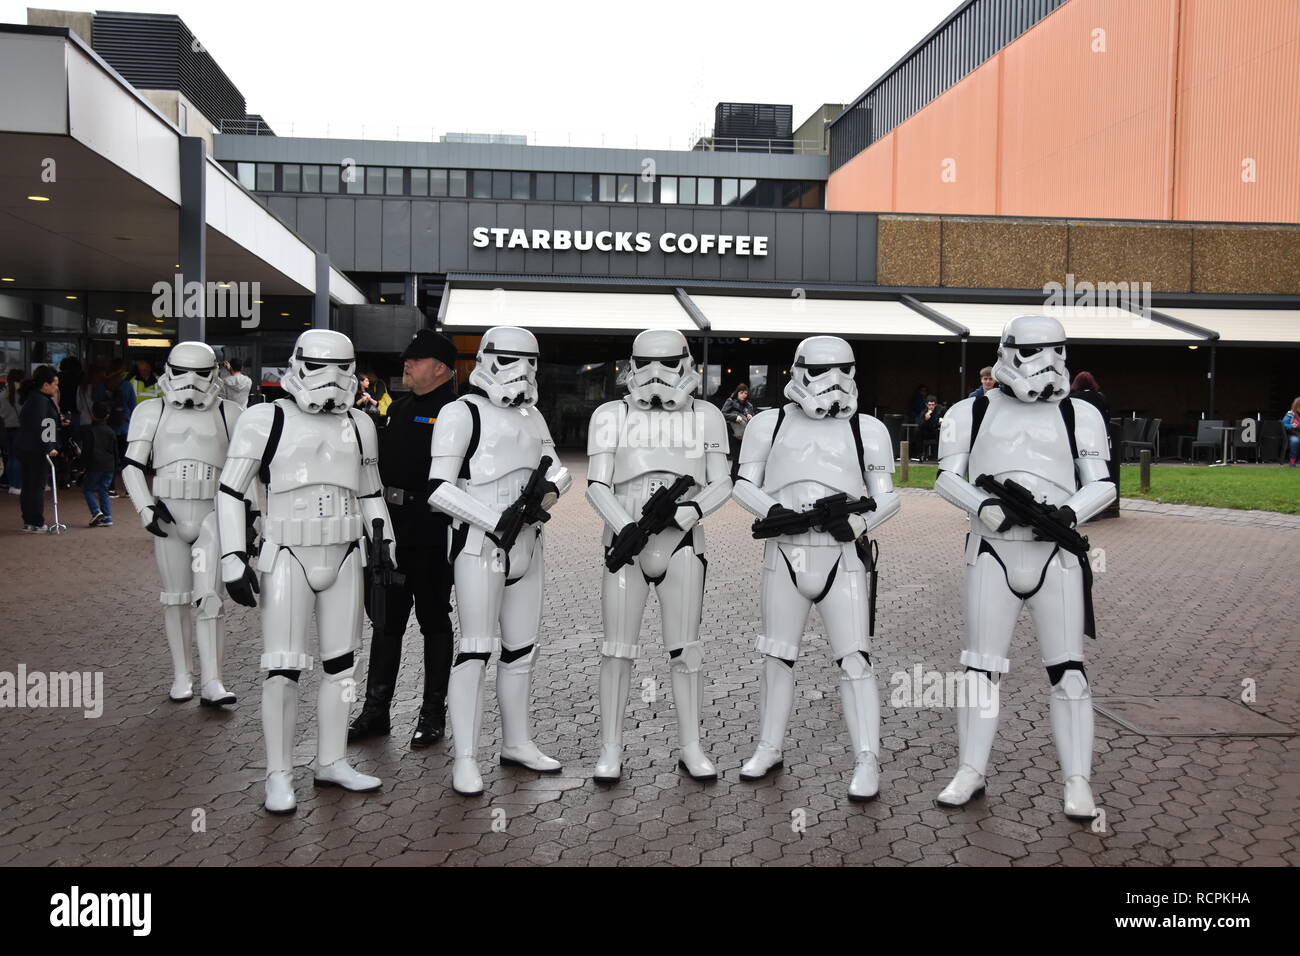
[(487, 475), (640, 447), (183, 437), (794, 460), (1029, 432), (318, 458)]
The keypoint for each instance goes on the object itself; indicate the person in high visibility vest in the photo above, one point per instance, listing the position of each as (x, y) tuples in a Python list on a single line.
[(144, 383)]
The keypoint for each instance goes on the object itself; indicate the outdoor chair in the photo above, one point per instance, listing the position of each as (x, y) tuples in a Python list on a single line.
[(1148, 439), (1206, 438)]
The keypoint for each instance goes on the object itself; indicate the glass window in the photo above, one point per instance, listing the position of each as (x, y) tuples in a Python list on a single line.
[(419, 182), (311, 179), (645, 189), (520, 186), (564, 187), (757, 383), (248, 176), (500, 185), (791, 194), (686, 190), (627, 189), (266, 177), (374, 180), (291, 178), (482, 183), (544, 186), (812, 196), (582, 187), (607, 188), (668, 189), (438, 182), (730, 190), (393, 185), (355, 177), (748, 195), (329, 179), (456, 182), (705, 192)]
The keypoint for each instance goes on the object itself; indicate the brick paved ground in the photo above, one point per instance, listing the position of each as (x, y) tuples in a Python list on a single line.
[(1187, 605)]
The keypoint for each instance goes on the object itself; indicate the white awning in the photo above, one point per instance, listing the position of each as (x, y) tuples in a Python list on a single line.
[(565, 311), (1262, 326), (798, 316), (1082, 323)]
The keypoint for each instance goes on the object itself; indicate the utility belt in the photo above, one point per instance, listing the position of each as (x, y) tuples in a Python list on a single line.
[(400, 496)]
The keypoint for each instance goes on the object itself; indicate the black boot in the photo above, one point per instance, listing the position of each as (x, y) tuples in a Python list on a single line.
[(373, 719), (432, 725)]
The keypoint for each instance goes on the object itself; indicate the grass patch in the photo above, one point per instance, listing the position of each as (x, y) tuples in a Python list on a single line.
[(1264, 488)]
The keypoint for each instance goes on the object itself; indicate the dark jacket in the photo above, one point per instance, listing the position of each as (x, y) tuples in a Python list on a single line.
[(38, 422), (1096, 399), (99, 451), (405, 454)]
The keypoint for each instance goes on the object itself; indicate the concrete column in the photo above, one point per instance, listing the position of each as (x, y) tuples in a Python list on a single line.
[(411, 291), (192, 243), (320, 308)]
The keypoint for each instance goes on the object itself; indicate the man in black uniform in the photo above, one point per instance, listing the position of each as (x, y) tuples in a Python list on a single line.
[(421, 553)]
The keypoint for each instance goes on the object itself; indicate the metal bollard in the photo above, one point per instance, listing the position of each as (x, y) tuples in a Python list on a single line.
[(904, 459), (1144, 470)]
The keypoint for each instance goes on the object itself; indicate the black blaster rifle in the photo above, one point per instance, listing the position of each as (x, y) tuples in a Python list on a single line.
[(656, 515), (823, 512), (383, 574), (526, 509), (1020, 507)]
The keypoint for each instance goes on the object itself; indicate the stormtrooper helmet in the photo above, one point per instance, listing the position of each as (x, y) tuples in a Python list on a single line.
[(190, 378), (1031, 359), (506, 367), (321, 372), (662, 374), (821, 381)]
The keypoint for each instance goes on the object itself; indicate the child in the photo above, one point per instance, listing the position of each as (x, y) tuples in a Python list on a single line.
[(100, 456)]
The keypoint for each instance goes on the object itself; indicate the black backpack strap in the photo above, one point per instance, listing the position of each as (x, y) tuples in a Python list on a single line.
[(221, 408), (272, 443), (1067, 413), (855, 426), (473, 438), (977, 411), (780, 417)]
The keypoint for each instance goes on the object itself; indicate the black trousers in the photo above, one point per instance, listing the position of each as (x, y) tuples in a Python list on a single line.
[(422, 558), (36, 474)]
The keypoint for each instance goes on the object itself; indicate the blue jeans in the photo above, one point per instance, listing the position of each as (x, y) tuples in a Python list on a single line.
[(1293, 447), (96, 485), (13, 470)]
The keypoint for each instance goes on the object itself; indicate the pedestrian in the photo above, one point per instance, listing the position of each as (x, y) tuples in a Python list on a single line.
[(365, 402), (987, 382), (37, 443), (928, 423), (738, 411), (1291, 425), (9, 417), (235, 385), (916, 407), (99, 453), (405, 457), (144, 383), (115, 390)]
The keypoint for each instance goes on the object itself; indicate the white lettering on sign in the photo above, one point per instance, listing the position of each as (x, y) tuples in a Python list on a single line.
[(585, 240)]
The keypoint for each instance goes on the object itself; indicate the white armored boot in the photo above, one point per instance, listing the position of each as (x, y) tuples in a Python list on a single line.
[(977, 726), (465, 710), (777, 699), (615, 682), (514, 685), (179, 628), (1072, 726), (861, 699), (212, 692), (688, 691), (332, 767), (279, 723)]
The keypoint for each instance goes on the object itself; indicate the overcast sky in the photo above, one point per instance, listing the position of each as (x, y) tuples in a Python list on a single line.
[(638, 74)]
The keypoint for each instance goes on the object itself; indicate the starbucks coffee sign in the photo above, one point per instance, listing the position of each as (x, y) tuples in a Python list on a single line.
[(590, 240)]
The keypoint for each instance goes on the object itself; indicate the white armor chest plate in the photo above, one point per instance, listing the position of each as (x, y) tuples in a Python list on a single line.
[(812, 458), (670, 443), (510, 446), (189, 448), (315, 477), (1028, 443), (192, 435)]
